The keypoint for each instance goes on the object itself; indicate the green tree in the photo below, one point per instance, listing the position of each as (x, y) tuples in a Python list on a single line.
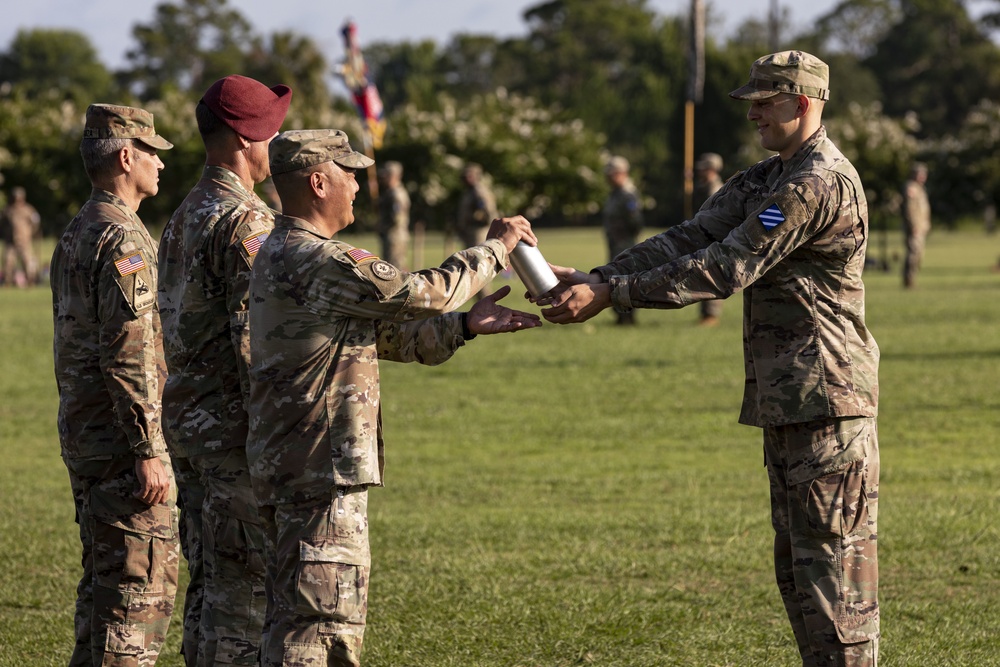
[(43, 62)]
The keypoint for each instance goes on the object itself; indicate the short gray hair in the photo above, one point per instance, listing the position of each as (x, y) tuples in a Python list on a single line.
[(100, 155)]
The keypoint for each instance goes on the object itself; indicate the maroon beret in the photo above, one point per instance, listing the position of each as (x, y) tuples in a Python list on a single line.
[(247, 106)]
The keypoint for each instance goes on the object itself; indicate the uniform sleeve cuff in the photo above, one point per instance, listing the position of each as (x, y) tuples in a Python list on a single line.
[(466, 334), (621, 299)]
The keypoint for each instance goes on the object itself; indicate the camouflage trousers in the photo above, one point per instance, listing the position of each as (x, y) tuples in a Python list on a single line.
[(190, 498), (824, 508), (620, 240), (916, 241), (225, 542), (318, 561), (130, 562)]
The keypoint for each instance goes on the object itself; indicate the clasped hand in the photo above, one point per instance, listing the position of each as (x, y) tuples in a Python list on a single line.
[(578, 297)]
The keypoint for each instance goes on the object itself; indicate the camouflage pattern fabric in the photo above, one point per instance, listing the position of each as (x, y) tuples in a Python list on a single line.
[(130, 563), (703, 190), (793, 237), (190, 499), (206, 254), (319, 581), (622, 218), (394, 225), (476, 210), (916, 225), (21, 224), (807, 351), (109, 369), (824, 479), (322, 314)]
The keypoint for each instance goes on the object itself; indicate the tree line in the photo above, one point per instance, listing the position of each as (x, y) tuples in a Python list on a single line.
[(910, 80)]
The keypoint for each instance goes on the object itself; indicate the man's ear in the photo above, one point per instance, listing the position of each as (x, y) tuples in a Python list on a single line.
[(804, 103), (126, 158), (317, 183)]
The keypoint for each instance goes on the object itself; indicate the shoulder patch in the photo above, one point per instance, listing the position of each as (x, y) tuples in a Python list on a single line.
[(130, 264), (253, 242), (384, 270), (771, 217), (361, 255)]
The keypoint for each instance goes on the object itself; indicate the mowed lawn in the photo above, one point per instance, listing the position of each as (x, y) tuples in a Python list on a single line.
[(583, 495)]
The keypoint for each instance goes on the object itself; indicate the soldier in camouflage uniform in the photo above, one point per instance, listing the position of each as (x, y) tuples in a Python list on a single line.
[(394, 215), (707, 182), (791, 232), (622, 216), (206, 253), (21, 224), (916, 222), (476, 210), (109, 372), (322, 313)]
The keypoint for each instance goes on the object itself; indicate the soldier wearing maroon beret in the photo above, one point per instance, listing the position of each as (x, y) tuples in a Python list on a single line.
[(205, 256)]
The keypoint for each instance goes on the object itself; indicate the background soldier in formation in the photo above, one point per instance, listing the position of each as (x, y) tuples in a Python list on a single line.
[(476, 210), (322, 313), (206, 253), (707, 181), (394, 215), (20, 225), (791, 231), (916, 222), (109, 369), (622, 216)]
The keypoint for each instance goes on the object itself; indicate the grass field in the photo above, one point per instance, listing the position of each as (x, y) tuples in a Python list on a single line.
[(583, 495)]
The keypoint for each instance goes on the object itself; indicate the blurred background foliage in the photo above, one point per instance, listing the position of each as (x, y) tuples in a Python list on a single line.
[(911, 80)]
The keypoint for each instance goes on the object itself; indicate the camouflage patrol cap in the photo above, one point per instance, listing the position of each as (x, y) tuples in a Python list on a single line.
[(107, 121), (795, 72), (616, 165), (711, 161), (298, 149)]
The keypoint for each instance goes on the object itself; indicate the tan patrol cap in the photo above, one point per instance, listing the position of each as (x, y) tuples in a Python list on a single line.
[(298, 149), (711, 161), (108, 121), (795, 72)]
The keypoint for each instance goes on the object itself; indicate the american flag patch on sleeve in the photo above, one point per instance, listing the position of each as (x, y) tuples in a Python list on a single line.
[(253, 243), (130, 264), (771, 217), (360, 255)]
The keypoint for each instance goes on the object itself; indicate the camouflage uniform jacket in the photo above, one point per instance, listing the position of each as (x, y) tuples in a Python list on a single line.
[(394, 213), (24, 223), (206, 252), (477, 208), (916, 208), (108, 346), (793, 237), (322, 314), (622, 212)]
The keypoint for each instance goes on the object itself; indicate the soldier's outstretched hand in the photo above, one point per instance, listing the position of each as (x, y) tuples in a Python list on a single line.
[(512, 230), (578, 296), (489, 317)]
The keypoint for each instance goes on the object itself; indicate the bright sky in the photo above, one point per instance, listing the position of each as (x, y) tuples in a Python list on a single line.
[(108, 23)]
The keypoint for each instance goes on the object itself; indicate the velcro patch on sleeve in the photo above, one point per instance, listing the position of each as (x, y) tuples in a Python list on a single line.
[(130, 264), (359, 255), (780, 213), (253, 243)]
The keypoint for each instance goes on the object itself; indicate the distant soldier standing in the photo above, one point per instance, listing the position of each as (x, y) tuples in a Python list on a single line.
[(21, 225), (476, 210), (707, 181), (790, 232), (394, 215), (322, 315), (916, 222), (109, 372), (622, 215), (206, 253)]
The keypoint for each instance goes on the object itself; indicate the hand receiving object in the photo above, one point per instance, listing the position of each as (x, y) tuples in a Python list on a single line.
[(488, 317)]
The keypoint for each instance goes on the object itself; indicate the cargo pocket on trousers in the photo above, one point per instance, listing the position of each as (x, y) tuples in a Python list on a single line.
[(330, 584), (124, 639), (129, 553), (830, 481)]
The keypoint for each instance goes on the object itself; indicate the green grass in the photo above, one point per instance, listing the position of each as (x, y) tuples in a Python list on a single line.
[(583, 495)]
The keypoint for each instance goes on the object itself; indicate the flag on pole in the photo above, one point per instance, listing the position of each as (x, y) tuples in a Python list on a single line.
[(363, 90)]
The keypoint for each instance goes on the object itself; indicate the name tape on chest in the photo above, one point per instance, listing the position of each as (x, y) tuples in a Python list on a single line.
[(130, 264)]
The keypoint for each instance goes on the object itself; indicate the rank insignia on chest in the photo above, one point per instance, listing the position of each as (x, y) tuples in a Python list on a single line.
[(771, 217), (253, 243), (130, 264), (360, 255)]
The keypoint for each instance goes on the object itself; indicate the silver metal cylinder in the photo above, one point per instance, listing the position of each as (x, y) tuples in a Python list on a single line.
[(532, 269)]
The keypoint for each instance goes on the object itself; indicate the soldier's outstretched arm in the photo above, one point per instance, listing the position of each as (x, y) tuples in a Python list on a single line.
[(488, 317)]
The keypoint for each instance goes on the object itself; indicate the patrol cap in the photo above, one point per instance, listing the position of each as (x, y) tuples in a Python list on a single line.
[(298, 149), (711, 161), (616, 165), (110, 121), (247, 106), (795, 72)]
